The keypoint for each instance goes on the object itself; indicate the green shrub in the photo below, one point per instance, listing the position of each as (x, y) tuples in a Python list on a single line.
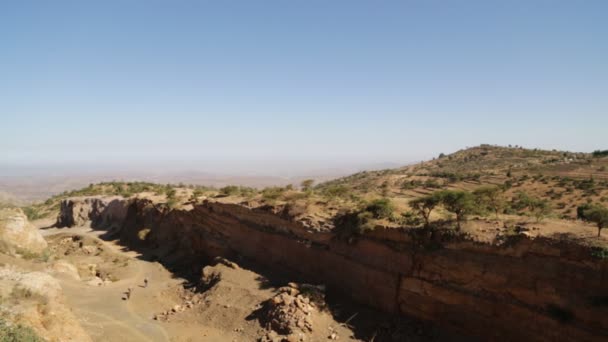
[(540, 208), (27, 255), (306, 184), (410, 218), (489, 198), (381, 208), (172, 202), (460, 203), (594, 213), (581, 211), (248, 191), (230, 190), (336, 191), (411, 184), (17, 333), (33, 212), (197, 192), (272, 193), (600, 153), (599, 252), (432, 184), (423, 206), (352, 224), (170, 192)]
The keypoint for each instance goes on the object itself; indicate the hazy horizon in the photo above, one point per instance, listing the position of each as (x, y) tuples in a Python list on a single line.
[(320, 84)]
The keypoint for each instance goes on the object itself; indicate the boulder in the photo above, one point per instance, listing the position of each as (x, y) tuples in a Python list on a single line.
[(64, 267), (18, 234)]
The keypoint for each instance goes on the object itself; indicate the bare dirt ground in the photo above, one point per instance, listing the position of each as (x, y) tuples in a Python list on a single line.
[(102, 310), (96, 274)]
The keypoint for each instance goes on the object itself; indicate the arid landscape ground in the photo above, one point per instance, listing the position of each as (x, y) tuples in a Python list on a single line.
[(303, 171), (93, 275), (149, 262)]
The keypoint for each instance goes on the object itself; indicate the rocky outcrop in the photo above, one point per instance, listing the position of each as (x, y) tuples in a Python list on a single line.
[(35, 299), (529, 289), (17, 234), (99, 211)]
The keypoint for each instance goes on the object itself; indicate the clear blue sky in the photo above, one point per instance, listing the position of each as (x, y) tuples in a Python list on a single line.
[(298, 80)]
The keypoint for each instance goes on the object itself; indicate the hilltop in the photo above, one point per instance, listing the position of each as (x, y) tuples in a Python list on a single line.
[(408, 241), (539, 190), (565, 178)]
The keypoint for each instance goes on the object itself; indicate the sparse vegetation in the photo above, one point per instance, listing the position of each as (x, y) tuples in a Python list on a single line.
[(114, 188), (490, 198), (230, 190), (460, 203), (381, 208), (539, 208), (423, 206), (272, 193), (596, 214), (600, 153), (352, 224), (17, 333), (336, 191), (485, 180)]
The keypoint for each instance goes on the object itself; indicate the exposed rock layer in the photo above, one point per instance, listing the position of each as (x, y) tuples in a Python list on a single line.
[(541, 289), (99, 210)]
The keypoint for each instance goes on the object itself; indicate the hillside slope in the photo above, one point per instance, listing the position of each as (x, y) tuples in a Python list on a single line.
[(560, 181), (566, 179)]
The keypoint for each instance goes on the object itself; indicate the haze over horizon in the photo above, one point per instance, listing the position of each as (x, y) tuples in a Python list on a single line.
[(242, 87)]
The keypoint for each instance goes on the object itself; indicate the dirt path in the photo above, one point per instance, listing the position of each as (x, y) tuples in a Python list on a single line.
[(226, 312), (104, 313)]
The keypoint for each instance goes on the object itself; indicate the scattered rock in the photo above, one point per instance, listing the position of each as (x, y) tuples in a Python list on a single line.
[(96, 281), (289, 312), (90, 250)]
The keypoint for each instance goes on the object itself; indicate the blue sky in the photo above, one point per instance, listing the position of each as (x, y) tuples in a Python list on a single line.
[(286, 81)]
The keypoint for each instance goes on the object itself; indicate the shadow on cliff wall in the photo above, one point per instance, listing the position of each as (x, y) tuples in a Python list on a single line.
[(159, 235)]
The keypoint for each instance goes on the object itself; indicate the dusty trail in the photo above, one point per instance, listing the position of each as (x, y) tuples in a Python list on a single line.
[(226, 312), (101, 309)]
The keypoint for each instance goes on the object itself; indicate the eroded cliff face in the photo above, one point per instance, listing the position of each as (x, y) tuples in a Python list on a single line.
[(540, 289), (100, 211)]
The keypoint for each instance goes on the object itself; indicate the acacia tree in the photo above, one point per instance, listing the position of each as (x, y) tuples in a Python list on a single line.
[(491, 197), (581, 211), (598, 215), (540, 208), (461, 203), (423, 206)]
